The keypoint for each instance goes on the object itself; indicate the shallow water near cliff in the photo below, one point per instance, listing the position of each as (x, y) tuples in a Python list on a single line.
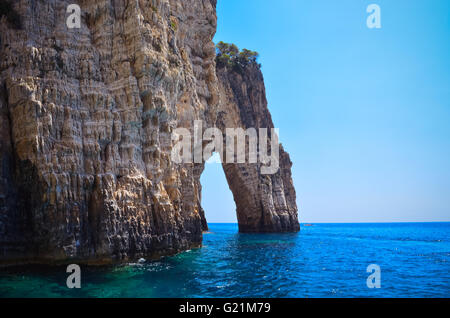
[(323, 260)]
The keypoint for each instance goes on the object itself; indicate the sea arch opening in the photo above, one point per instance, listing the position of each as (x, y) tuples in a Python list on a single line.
[(217, 199)]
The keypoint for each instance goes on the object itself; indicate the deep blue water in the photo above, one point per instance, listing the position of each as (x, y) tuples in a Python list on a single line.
[(323, 260)]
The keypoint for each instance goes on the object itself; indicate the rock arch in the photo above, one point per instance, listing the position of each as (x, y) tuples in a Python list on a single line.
[(264, 202)]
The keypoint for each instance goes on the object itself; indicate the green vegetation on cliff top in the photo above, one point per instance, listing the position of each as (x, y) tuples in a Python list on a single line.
[(229, 55)]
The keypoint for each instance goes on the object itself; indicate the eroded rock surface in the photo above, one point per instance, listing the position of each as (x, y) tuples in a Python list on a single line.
[(86, 122), (264, 202)]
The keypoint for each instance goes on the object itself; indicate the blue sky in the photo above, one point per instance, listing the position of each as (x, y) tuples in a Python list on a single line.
[(364, 113)]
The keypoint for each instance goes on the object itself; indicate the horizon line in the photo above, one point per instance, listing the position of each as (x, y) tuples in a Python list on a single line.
[(383, 222)]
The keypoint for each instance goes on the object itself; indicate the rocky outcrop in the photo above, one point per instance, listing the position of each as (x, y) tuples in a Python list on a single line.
[(264, 202), (86, 122)]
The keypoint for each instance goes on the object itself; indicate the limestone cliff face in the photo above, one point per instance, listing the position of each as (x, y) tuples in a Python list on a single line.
[(264, 202), (86, 122)]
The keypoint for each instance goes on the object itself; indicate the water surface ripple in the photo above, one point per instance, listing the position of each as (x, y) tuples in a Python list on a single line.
[(323, 260)]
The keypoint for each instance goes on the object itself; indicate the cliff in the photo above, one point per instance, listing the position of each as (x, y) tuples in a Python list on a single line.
[(86, 131), (264, 202)]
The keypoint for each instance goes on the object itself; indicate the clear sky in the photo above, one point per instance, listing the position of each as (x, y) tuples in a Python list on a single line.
[(364, 113)]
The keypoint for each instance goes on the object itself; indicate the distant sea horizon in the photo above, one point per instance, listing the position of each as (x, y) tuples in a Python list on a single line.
[(387, 222)]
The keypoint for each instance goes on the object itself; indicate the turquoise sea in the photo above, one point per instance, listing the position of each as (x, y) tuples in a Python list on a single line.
[(323, 260)]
